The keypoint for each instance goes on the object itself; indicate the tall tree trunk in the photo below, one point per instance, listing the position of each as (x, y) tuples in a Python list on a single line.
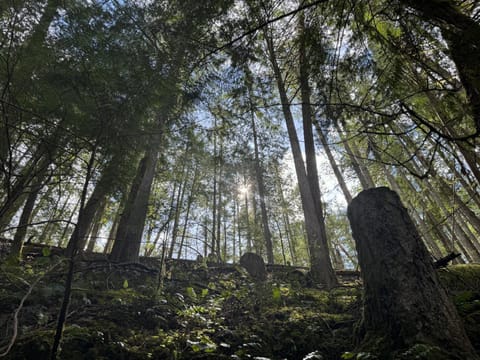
[(225, 249), (98, 196), (116, 220), (309, 143), (321, 266), (36, 169), (362, 173), (96, 225), (149, 251), (219, 206), (248, 230), (234, 229), (430, 242), (191, 197), (19, 238), (62, 315), (472, 193), (429, 217), (61, 241), (282, 245), (130, 229), (214, 197), (333, 163), (446, 191), (178, 209), (456, 225), (56, 212), (257, 245), (171, 214), (267, 235), (285, 217), (404, 302)]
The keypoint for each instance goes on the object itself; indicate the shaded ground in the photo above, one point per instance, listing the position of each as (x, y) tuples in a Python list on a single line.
[(200, 313)]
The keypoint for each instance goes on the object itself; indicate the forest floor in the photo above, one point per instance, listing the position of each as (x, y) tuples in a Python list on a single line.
[(200, 312)]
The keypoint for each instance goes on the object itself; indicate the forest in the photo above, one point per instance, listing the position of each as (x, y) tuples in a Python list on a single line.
[(240, 179)]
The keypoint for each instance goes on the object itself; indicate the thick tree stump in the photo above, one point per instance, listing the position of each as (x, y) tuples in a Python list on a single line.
[(404, 303), (254, 265)]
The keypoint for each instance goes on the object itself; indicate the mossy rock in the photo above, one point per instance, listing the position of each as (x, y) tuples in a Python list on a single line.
[(461, 277)]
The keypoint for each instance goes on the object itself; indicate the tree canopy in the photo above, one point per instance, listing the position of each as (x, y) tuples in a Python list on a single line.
[(219, 127)]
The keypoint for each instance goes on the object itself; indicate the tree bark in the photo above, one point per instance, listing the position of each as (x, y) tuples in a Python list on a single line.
[(219, 202), (191, 197), (98, 196), (267, 235), (285, 217), (333, 164), (362, 173), (404, 302), (19, 238), (96, 226), (320, 262), (178, 208), (35, 169), (310, 153), (392, 181), (130, 229)]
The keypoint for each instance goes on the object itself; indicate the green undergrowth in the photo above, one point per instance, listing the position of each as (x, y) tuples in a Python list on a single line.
[(119, 313)]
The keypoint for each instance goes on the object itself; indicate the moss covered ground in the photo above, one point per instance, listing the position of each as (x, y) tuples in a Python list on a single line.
[(199, 312)]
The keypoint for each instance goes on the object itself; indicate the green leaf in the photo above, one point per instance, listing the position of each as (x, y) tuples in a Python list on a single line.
[(191, 293), (46, 252), (348, 355), (276, 294), (125, 284)]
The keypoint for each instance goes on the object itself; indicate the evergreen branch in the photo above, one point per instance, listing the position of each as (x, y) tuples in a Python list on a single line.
[(261, 26)]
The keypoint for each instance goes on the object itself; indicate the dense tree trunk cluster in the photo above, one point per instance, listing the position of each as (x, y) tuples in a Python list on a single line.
[(192, 161)]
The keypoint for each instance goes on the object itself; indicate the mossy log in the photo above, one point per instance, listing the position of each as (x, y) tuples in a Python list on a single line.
[(405, 304)]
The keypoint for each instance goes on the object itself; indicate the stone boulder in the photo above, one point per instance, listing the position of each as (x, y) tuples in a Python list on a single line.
[(254, 265)]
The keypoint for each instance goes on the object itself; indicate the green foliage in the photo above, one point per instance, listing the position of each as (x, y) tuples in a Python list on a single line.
[(358, 356), (191, 293), (276, 295), (227, 316), (423, 351), (46, 251)]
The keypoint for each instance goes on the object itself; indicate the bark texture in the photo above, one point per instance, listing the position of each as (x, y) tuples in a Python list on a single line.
[(320, 262), (404, 302), (130, 228), (254, 265)]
